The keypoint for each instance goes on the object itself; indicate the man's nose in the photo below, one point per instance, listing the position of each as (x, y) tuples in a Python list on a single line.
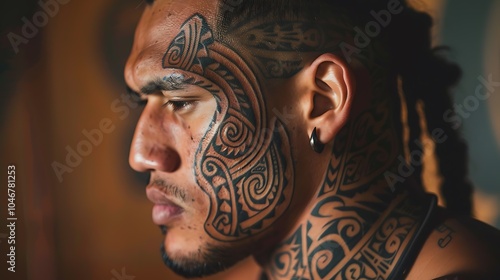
[(153, 145)]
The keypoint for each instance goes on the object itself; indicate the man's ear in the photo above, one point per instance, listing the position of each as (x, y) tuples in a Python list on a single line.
[(330, 90)]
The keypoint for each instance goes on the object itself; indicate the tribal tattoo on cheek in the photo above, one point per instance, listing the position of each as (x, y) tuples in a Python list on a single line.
[(243, 163)]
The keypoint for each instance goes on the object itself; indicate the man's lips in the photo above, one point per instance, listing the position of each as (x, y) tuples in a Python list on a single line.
[(164, 210)]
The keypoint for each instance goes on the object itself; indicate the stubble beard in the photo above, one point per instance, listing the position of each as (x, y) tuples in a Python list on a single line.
[(206, 261)]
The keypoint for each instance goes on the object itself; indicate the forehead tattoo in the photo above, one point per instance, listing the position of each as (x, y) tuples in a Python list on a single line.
[(243, 164)]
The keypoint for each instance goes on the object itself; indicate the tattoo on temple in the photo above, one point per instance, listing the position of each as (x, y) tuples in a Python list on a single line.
[(242, 163), (286, 38)]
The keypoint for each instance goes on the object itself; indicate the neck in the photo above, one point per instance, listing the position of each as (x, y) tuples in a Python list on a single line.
[(358, 224)]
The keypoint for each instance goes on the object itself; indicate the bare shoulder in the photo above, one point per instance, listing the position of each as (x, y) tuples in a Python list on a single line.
[(459, 248)]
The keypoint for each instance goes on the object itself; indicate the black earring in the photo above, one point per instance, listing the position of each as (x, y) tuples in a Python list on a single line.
[(316, 145)]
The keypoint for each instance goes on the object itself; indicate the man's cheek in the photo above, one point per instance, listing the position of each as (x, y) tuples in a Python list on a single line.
[(251, 186), (242, 165)]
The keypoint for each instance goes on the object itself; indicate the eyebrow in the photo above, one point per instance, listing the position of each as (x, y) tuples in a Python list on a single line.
[(168, 83)]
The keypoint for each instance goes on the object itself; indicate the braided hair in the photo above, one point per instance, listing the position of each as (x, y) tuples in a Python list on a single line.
[(426, 77)]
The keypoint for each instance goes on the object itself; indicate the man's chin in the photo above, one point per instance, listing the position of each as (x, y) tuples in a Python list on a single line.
[(195, 265)]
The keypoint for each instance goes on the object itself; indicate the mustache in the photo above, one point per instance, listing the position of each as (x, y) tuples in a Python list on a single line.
[(169, 189)]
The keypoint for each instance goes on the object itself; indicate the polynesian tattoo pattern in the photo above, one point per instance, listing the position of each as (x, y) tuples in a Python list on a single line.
[(248, 175), (354, 243), (243, 163), (266, 40)]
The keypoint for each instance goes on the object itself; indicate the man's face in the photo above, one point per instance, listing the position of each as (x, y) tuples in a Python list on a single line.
[(222, 174)]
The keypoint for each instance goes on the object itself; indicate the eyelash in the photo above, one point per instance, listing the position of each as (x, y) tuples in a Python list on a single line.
[(178, 105)]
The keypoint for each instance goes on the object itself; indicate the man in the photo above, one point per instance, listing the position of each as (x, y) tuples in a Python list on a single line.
[(273, 129)]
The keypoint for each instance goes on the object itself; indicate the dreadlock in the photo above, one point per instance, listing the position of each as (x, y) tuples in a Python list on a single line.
[(426, 77)]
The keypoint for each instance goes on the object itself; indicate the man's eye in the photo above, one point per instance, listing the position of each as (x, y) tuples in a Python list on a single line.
[(180, 105)]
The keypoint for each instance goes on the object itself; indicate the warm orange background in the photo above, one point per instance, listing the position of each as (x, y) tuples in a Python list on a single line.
[(97, 219)]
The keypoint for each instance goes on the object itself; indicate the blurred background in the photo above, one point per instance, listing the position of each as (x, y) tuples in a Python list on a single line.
[(82, 212)]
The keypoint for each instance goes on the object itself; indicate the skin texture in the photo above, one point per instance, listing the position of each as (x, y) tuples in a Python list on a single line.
[(240, 165), (225, 136), (234, 161)]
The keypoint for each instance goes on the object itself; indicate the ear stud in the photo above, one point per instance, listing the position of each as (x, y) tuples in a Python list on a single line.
[(316, 145)]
